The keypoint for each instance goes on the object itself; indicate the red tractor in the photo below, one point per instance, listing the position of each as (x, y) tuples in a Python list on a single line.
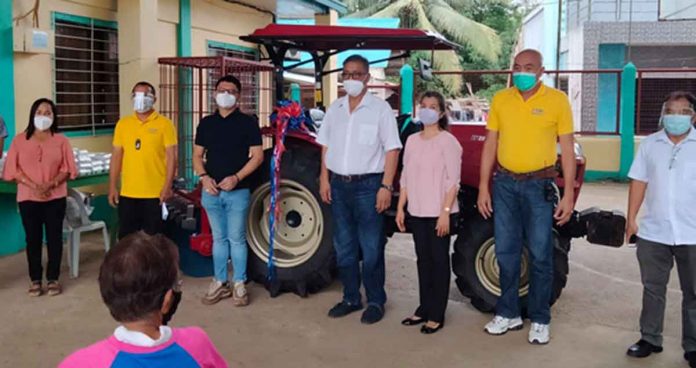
[(303, 253)]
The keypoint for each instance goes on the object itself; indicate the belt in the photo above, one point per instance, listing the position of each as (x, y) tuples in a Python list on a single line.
[(350, 178), (545, 173)]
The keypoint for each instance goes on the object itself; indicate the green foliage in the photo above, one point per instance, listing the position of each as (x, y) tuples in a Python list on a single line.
[(487, 30)]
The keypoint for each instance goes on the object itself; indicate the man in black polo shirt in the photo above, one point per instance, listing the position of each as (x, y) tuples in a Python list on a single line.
[(227, 150)]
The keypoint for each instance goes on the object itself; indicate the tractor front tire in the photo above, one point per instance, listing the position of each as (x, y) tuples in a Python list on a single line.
[(477, 274), (304, 257)]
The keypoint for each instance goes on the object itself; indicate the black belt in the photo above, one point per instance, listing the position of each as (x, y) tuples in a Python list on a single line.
[(350, 178), (545, 173)]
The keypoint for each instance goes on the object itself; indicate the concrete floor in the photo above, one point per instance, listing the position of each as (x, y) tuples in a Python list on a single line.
[(593, 323)]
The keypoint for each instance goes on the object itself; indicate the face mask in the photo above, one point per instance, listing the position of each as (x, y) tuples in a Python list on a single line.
[(42, 122), (524, 81), (676, 124), (353, 87), (225, 100), (142, 103), (428, 116), (175, 304)]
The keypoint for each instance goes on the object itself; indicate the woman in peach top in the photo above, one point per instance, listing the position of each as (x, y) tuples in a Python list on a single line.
[(41, 161), (429, 184)]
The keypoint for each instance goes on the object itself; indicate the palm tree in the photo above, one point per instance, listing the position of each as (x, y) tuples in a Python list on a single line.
[(443, 16)]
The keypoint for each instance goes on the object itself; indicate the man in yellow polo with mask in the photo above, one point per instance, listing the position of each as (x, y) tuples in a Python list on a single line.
[(144, 157), (524, 125)]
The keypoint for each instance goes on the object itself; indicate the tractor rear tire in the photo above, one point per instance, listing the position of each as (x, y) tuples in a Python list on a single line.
[(304, 256), (476, 269)]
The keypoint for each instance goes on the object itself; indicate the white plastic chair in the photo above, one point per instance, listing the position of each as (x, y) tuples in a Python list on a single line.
[(76, 222)]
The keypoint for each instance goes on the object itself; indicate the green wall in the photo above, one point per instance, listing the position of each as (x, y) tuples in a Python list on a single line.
[(7, 99), (611, 56)]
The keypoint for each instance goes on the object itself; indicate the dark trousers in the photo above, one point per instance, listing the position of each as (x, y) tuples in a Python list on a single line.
[(656, 261), (523, 215), (135, 214), (433, 254), (37, 217), (358, 230)]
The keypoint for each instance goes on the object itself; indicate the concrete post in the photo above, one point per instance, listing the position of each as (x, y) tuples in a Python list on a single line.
[(295, 92), (329, 82), (406, 73), (137, 47), (628, 118), (7, 88), (185, 123)]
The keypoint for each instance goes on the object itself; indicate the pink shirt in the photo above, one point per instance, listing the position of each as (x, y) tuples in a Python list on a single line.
[(431, 168), (188, 347), (41, 162)]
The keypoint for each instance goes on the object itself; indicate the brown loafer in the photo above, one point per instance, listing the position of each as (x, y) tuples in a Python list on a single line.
[(54, 288), (35, 289)]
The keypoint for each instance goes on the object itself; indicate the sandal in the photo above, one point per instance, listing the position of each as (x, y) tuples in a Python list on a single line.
[(53, 288), (35, 289)]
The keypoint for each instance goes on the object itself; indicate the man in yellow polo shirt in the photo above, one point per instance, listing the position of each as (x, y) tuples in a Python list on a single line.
[(524, 124), (144, 157)]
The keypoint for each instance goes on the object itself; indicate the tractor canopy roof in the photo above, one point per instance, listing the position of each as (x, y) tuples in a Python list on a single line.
[(327, 38)]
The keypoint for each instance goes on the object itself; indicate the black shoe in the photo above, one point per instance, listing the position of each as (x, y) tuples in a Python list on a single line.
[(691, 358), (412, 322), (343, 309), (642, 349), (372, 314), (431, 330)]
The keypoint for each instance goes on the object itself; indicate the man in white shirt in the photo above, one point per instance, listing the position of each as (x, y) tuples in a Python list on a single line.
[(664, 174), (360, 153)]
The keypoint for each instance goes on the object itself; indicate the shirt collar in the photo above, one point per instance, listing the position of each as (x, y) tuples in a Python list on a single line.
[(154, 115), (540, 92), (366, 101), (664, 137), (234, 113), (137, 338)]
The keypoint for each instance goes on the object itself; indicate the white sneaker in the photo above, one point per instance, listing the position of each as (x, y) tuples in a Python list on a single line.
[(539, 334), (240, 297), (216, 292), (500, 325)]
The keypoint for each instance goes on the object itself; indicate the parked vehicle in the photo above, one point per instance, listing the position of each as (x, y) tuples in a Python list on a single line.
[(304, 254)]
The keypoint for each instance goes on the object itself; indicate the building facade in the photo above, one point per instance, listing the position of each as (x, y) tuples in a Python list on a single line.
[(598, 35), (97, 50)]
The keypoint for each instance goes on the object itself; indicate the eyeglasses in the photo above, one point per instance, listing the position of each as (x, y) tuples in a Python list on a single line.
[(687, 111), (347, 76), (145, 94)]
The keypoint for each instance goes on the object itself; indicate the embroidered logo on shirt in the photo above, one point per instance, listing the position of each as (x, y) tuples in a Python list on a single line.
[(537, 111)]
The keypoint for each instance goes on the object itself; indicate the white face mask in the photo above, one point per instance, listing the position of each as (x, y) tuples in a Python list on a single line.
[(42, 122), (428, 116), (353, 87), (142, 103), (225, 100)]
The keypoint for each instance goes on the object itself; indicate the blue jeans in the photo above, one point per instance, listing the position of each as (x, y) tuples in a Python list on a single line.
[(358, 229), (523, 216), (227, 213)]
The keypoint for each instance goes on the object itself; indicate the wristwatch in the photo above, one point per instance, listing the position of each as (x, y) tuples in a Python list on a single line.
[(447, 209), (387, 187)]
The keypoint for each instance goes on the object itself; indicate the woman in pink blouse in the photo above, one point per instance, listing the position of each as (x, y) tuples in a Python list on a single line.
[(429, 184), (41, 161)]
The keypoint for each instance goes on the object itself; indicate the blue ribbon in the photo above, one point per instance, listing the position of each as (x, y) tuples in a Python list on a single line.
[(294, 123)]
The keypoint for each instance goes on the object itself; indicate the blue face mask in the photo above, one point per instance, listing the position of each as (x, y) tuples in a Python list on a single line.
[(524, 81), (676, 124)]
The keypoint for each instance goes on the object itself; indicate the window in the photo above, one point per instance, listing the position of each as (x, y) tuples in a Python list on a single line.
[(86, 72), (250, 86)]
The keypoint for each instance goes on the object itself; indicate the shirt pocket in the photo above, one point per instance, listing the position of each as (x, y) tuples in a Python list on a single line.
[(367, 134)]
